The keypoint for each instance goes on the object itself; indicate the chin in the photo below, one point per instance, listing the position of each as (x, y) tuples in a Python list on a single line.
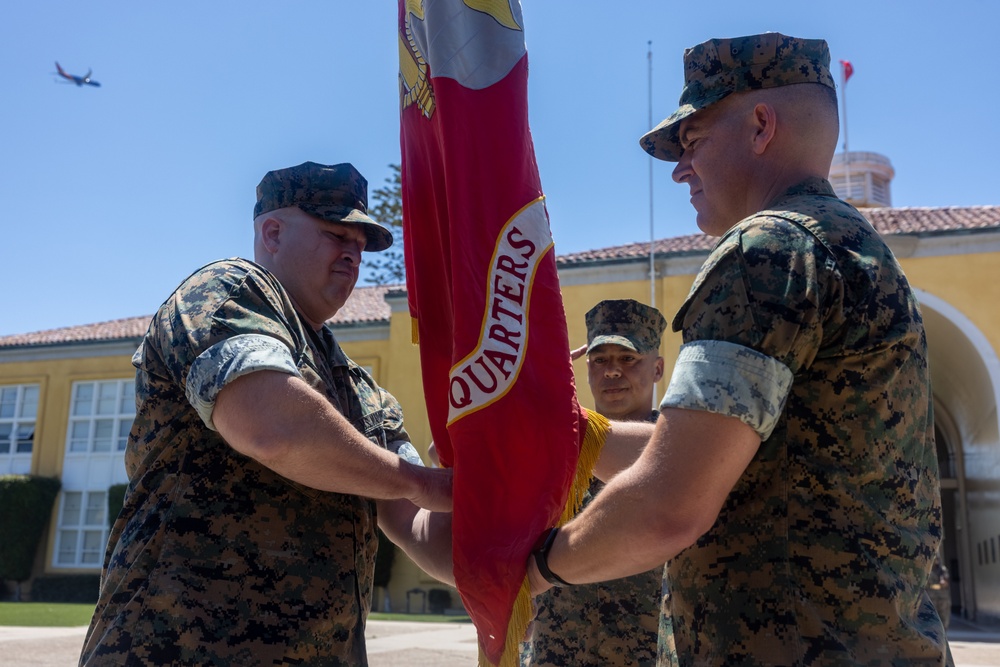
[(704, 223), (617, 412), (713, 228)]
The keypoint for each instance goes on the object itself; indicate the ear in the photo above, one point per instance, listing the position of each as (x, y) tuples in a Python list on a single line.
[(658, 370), (270, 234), (765, 121)]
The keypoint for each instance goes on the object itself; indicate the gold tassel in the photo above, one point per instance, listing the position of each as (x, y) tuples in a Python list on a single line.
[(414, 332), (522, 613), (590, 450)]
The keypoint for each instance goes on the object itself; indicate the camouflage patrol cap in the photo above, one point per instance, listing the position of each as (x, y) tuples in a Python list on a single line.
[(624, 322), (336, 193), (720, 67)]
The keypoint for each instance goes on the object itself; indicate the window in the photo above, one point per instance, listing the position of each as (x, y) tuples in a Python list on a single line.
[(101, 416), (855, 189), (18, 413), (83, 528)]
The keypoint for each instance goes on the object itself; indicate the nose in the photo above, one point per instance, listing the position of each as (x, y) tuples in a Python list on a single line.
[(352, 252), (682, 172), (612, 370)]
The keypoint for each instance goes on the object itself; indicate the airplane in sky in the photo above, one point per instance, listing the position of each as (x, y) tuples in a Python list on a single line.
[(78, 80)]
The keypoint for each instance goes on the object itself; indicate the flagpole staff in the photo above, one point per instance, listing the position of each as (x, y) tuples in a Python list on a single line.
[(846, 71), (652, 239), (652, 264)]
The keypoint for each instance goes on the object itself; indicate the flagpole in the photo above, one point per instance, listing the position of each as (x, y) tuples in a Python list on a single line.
[(847, 152), (652, 264)]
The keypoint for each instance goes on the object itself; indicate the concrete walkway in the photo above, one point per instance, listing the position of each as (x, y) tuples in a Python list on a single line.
[(390, 644), (399, 644)]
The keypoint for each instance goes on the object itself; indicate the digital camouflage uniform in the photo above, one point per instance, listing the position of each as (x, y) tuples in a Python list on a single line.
[(821, 551), (215, 559)]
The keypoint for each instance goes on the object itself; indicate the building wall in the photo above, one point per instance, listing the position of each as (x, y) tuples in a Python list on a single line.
[(56, 377), (55, 374), (962, 313)]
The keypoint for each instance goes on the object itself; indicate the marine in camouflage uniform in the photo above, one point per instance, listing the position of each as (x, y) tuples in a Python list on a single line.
[(215, 558), (821, 551), (614, 622), (802, 324), (797, 429)]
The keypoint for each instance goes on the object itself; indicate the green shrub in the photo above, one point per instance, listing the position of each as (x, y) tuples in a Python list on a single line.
[(384, 559), (66, 588), (116, 499), (25, 509)]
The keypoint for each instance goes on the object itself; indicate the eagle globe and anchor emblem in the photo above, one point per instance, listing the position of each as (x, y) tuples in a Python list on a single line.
[(455, 55)]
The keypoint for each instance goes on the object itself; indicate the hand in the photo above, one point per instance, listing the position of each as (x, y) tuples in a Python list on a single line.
[(434, 488), (577, 353)]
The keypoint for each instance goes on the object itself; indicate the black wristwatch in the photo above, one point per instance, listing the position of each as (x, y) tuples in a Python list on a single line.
[(541, 554)]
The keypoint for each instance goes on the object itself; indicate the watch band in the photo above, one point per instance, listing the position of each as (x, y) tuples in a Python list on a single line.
[(541, 555)]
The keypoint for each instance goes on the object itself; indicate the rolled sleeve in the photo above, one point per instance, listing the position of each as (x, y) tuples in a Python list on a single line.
[(731, 380), (406, 451), (227, 360)]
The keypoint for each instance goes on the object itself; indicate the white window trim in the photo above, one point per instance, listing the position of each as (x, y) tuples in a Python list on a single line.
[(13, 461), (81, 539)]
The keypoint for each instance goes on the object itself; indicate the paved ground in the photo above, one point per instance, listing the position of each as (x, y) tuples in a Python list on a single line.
[(390, 644), (399, 644)]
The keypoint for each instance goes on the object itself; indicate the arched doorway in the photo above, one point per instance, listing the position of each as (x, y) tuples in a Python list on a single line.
[(954, 519), (965, 375)]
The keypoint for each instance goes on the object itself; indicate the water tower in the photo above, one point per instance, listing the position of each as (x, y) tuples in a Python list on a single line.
[(862, 178)]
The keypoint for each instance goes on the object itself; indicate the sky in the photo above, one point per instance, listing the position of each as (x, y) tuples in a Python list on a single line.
[(113, 195)]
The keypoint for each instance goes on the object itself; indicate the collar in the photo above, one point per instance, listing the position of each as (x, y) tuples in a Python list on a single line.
[(812, 186), (335, 355)]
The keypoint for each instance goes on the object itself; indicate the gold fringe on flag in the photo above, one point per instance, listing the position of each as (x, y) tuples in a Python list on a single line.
[(414, 331), (590, 450), (520, 616), (522, 613)]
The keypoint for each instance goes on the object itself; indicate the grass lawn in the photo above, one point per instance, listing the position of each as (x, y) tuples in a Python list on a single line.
[(426, 618), (52, 614), (45, 614)]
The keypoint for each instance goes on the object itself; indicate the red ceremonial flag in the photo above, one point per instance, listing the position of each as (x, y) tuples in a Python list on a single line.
[(847, 68), (484, 295)]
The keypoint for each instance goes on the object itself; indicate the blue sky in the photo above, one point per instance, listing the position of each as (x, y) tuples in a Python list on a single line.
[(112, 195)]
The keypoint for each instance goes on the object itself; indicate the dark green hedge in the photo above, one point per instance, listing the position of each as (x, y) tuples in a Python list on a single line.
[(116, 498), (384, 559), (82, 588), (25, 509)]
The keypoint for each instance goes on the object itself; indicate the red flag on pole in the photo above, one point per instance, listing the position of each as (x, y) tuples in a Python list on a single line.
[(484, 295), (847, 69)]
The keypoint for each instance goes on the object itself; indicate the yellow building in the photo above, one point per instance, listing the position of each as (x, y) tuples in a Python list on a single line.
[(66, 394)]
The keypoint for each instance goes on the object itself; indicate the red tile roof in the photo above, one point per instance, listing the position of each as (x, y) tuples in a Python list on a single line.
[(923, 220), (367, 305), (123, 329), (678, 245), (888, 221)]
